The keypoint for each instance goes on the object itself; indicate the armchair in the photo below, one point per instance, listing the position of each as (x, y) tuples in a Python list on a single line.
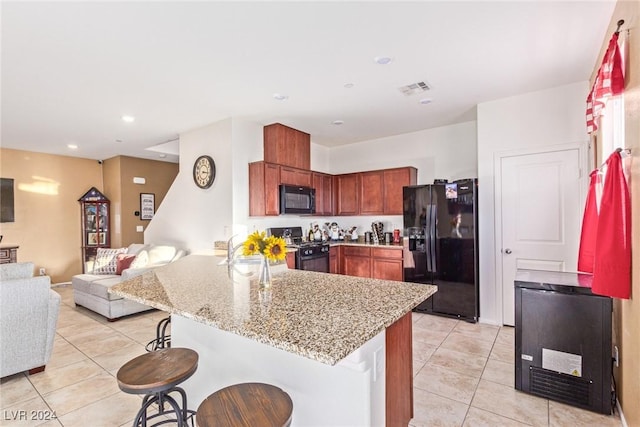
[(28, 315)]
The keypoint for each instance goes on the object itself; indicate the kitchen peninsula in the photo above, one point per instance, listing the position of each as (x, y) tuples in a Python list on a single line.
[(339, 345)]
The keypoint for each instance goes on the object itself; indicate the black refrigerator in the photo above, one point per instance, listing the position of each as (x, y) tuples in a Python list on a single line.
[(440, 224)]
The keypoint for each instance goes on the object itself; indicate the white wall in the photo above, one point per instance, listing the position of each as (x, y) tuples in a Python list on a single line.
[(191, 217), (446, 152), (544, 118)]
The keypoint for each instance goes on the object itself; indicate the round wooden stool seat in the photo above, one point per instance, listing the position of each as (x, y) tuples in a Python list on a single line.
[(157, 371), (157, 375), (247, 404)]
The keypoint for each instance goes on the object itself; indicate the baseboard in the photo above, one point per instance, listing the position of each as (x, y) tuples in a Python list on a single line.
[(624, 422), (486, 321), (60, 285)]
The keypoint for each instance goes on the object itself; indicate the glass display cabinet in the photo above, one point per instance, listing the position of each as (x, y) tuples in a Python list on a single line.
[(94, 207)]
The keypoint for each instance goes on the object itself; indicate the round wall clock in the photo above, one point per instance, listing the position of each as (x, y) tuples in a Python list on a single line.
[(204, 171)]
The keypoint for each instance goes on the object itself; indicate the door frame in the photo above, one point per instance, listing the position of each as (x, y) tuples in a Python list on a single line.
[(583, 162)]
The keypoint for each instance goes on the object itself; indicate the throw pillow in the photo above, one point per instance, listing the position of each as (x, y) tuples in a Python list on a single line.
[(123, 261), (141, 260), (106, 261)]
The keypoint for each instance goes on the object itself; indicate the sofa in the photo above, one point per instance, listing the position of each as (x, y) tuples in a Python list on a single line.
[(29, 311), (112, 266)]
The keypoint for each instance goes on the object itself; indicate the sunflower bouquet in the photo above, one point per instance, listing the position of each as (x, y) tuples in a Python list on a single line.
[(271, 247)]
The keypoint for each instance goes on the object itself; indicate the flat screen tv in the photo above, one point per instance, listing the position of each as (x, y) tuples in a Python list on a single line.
[(6, 200)]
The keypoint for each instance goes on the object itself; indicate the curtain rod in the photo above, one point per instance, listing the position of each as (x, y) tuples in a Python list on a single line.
[(624, 152)]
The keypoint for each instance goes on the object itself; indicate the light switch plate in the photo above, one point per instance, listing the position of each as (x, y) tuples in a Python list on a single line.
[(139, 228)]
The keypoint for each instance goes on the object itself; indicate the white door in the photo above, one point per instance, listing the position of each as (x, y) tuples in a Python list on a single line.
[(541, 214)]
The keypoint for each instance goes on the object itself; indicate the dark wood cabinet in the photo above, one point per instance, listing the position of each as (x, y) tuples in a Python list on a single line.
[(386, 264), (294, 176), (394, 180), (372, 189), (323, 183), (287, 146), (96, 231), (346, 194), (264, 180)]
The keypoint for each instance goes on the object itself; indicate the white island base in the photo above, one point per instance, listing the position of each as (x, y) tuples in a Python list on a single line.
[(350, 393)]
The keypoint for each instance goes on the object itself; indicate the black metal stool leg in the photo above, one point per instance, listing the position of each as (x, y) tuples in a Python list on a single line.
[(162, 340), (160, 398)]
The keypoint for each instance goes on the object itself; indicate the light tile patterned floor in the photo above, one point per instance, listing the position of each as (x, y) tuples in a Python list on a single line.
[(463, 376)]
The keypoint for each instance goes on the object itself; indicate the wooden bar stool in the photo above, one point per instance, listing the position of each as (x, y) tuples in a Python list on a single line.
[(156, 375), (246, 405)]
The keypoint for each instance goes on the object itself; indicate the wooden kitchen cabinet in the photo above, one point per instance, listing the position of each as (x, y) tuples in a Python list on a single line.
[(394, 180), (386, 264), (323, 183), (334, 259), (264, 197), (376, 192), (371, 262), (290, 259), (287, 146), (372, 190), (346, 194), (294, 176), (356, 261)]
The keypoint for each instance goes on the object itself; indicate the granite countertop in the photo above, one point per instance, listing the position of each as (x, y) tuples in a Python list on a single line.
[(320, 316)]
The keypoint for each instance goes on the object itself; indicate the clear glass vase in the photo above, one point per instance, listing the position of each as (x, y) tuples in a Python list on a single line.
[(264, 274)]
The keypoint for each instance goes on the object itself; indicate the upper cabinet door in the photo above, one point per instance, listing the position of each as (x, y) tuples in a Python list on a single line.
[(372, 193), (347, 194), (293, 176), (287, 146), (394, 180), (323, 185)]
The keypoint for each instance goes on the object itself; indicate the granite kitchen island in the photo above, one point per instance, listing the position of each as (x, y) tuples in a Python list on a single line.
[(339, 345)]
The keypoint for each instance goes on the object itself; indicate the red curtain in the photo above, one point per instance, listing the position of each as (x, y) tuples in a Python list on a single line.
[(589, 233), (612, 260), (608, 82)]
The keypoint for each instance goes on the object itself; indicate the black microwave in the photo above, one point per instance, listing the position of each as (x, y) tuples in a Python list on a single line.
[(297, 200)]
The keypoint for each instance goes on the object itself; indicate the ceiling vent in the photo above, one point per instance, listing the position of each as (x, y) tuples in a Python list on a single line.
[(415, 88)]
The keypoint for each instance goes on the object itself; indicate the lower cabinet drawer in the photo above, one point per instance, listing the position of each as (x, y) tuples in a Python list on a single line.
[(356, 251), (386, 253)]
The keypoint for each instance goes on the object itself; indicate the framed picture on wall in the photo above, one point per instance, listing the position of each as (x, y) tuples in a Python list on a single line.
[(147, 206)]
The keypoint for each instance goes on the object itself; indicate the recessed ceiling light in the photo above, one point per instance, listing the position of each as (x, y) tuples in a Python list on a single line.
[(337, 122), (162, 156), (128, 119), (72, 146), (348, 85), (280, 97), (382, 60), (425, 101)]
